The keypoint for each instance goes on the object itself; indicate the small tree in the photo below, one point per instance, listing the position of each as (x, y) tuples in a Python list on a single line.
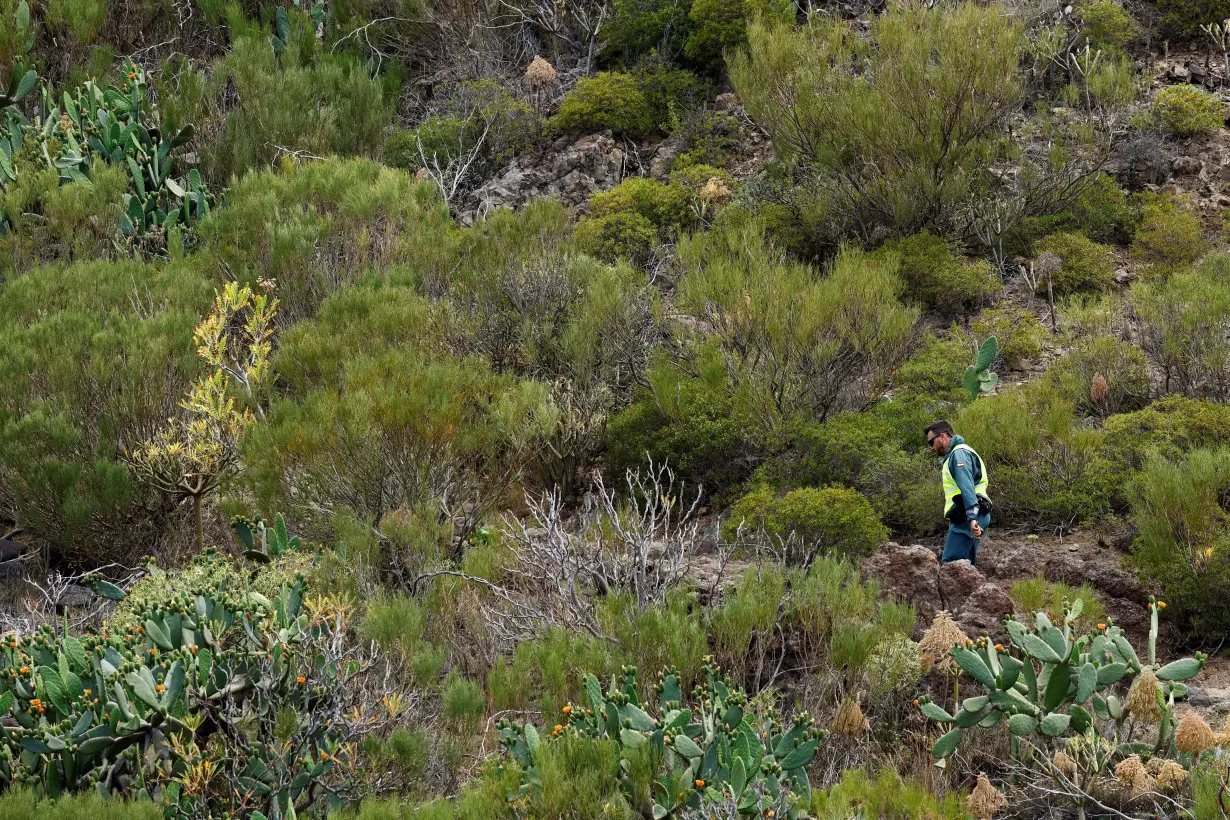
[(192, 454)]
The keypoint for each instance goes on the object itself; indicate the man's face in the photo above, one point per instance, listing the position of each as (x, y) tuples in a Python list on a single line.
[(938, 443)]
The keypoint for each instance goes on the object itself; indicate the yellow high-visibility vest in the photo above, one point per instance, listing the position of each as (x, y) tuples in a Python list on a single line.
[(951, 490)]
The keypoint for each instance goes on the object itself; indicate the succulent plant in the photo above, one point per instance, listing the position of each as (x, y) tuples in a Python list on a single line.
[(717, 749), (978, 378), (1057, 685), (127, 711), (118, 124)]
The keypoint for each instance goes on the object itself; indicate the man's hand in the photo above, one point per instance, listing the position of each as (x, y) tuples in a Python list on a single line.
[(975, 528)]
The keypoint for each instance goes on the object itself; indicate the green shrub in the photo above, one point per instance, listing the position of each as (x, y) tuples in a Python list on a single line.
[(1169, 236), (824, 521), (460, 118), (1120, 363), (939, 279), (22, 805), (607, 100), (197, 673), (899, 155), (316, 103), (1178, 507), (464, 701), (639, 27), (666, 206), (1181, 19), (1100, 210), (713, 137), (888, 796), (779, 330), (1047, 469), (718, 26), (1171, 425), (1184, 322), (374, 221), (411, 749), (1186, 110), (1040, 595), (83, 19), (1019, 332), (935, 370), (671, 91), (75, 354), (631, 219), (1083, 265), (687, 424), (1107, 25)]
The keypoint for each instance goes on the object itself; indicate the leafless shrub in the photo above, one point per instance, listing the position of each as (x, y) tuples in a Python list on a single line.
[(640, 546)]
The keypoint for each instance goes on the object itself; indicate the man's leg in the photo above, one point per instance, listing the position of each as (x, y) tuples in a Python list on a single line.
[(959, 545)]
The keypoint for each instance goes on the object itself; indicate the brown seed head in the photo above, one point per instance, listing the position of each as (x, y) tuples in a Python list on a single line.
[(1132, 773), (1194, 735), (850, 720), (540, 73), (985, 800), (1064, 764), (1143, 696), (938, 641), (1171, 777)]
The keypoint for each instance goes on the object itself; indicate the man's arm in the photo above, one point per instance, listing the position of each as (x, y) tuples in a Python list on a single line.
[(962, 469)]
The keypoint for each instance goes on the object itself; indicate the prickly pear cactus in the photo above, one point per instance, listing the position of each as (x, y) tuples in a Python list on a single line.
[(1050, 684), (132, 711), (713, 749), (979, 379)]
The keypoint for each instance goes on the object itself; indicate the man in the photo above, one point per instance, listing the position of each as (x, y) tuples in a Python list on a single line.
[(966, 505)]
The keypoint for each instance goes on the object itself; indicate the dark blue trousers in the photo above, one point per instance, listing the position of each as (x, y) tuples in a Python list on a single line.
[(961, 542)]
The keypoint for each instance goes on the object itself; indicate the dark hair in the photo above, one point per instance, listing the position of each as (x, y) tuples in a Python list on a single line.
[(939, 428)]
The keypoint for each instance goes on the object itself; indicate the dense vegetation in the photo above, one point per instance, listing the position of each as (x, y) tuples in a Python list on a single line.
[(398, 504)]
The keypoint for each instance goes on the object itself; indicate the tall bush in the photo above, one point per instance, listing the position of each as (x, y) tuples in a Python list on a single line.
[(795, 344), (1185, 321), (903, 143), (1178, 506), (94, 358)]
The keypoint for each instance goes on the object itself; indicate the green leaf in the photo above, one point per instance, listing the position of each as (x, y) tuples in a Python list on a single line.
[(532, 741), (971, 382), (158, 634), (1057, 687), (687, 747), (987, 382), (142, 684), (800, 755), (1087, 683), (935, 712), (738, 777), (1011, 671), (26, 85), (1022, 725), (1184, 669), (972, 663), (1126, 650), (987, 354), (21, 21), (1055, 640), (183, 137), (1111, 673), (108, 590), (1055, 724), (946, 745), (632, 738), (966, 719), (640, 720), (6, 703), (1039, 649)]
